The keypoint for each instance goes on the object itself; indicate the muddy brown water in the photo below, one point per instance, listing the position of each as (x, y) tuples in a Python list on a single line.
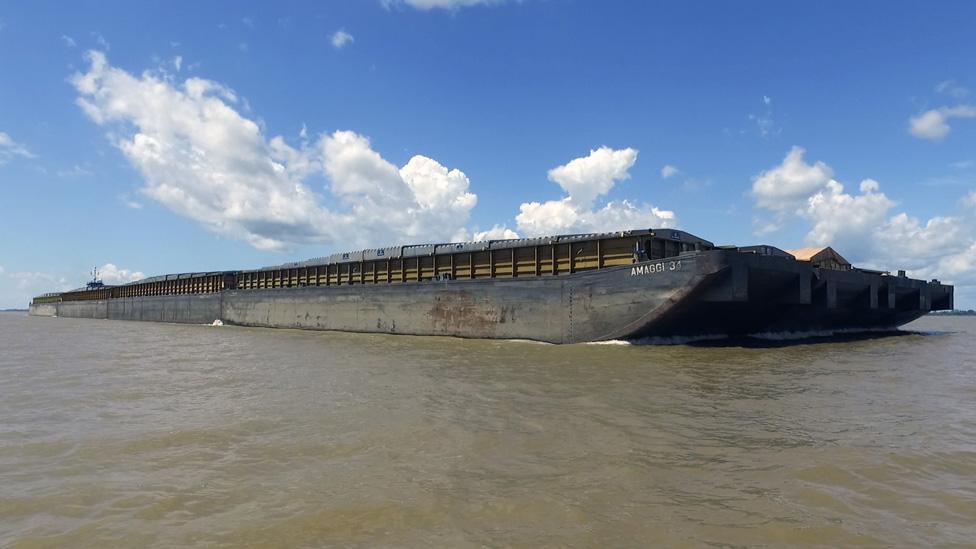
[(129, 434)]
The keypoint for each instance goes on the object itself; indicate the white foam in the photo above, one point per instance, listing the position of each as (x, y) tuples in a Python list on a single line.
[(528, 341), (217, 322), (658, 340)]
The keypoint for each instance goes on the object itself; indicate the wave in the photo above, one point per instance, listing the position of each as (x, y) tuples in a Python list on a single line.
[(812, 334), (662, 340)]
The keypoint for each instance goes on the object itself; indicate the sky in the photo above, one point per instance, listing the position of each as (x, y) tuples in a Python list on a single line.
[(160, 137)]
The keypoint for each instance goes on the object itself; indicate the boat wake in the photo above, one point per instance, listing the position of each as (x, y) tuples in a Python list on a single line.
[(767, 339), (662, 340)]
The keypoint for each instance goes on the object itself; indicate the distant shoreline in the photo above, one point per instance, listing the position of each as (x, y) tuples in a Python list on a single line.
[(13, 310), (957, 312)]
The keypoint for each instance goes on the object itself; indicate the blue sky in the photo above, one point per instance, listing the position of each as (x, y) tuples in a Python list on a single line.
[(142, 138)]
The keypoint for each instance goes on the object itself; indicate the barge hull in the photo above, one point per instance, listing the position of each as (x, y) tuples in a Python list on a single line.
[(715, 292)]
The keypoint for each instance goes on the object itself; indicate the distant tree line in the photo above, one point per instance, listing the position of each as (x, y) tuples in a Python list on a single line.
[(955, 312)]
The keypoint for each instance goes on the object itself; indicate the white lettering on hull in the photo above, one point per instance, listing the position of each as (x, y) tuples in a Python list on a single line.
[(655, 268)]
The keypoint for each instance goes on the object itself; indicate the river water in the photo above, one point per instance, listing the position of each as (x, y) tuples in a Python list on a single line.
[(142, 434)]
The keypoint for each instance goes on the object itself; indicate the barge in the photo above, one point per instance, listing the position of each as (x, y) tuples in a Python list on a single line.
[(558, 289)]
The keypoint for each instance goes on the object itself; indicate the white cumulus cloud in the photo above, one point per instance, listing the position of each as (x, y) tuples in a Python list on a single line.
[(584, 180), (836, 216), (934, 124), (862, 226), (423, 200), (588, 177), (497, 232), (669, 171), (959, 267), (340, 38), (922, 244), (112, 274), (202, 159), (788, 185)]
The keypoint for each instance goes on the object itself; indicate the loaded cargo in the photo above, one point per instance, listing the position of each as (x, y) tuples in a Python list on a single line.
[(559, 289)]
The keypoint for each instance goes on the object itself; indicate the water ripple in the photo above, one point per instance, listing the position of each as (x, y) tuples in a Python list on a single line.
[(142, 434)]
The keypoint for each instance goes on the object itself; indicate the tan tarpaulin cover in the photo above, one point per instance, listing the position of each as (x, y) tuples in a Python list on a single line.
[(823, 257)]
